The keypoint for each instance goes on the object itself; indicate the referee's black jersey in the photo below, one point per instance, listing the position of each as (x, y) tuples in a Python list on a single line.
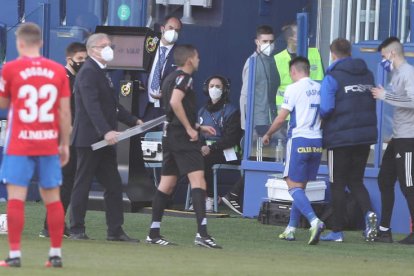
[(184, 82)]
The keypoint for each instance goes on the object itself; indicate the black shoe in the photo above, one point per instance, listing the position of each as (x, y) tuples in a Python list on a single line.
[(408, 240), (384, 236), (232, 201), (44, 233), (66, 233), (11, 262), (54, 261), (78, 236), (208, 242), (123, 238), (159, 241)]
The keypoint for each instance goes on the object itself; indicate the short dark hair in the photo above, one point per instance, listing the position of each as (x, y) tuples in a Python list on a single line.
[(73, 48), (263, 29), (30, 33), (387, 42), (341, 47), (168, 17), (287, 31), (182, 53), (300, 63)]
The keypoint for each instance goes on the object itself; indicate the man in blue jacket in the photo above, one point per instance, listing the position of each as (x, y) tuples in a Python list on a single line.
[(349, 128)]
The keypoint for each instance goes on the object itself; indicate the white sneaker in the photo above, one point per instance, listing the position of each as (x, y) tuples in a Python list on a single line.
[(209, 204)]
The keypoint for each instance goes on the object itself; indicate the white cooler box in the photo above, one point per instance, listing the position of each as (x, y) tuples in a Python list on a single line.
[(277, 189), (152, 150)]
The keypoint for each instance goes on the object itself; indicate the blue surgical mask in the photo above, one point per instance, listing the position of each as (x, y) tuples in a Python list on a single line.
[(386, 63)]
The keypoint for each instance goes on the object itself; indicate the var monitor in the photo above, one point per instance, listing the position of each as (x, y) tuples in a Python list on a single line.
[(134, 47)]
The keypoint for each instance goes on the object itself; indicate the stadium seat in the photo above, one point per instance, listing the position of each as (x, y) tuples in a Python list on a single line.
[(215, 169)]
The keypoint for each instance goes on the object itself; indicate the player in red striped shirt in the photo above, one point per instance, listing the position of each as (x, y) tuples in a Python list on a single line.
[(36, 91)]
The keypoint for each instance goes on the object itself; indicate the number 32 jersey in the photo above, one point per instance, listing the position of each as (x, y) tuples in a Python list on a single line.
[(303, 99), (34, 87)]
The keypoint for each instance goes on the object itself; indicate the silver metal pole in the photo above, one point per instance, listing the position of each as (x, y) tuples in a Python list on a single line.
[(367, 19), (376, 22), (358, 21), (348, 20)]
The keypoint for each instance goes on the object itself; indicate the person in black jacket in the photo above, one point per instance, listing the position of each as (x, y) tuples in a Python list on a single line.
[(225, 119), (97, 111), (349, 128), (75, 57)]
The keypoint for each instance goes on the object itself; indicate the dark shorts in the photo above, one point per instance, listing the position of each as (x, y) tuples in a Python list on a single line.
[(181, 157)]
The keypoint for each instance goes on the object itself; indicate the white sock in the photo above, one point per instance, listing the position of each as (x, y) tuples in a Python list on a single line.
[(314, 222), (383, 228), (15, 254), (290, 229), (54, 251)]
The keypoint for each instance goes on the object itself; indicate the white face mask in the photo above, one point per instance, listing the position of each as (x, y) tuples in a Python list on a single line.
[(267, 48), (215, 93), (171, 36), (107, 54)]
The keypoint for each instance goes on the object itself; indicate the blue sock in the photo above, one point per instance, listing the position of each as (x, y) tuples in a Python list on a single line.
[(294, 216), (302, 203)]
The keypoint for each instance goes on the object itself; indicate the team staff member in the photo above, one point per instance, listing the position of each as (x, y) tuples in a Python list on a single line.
[(265, 83), (75, 57), (301, 99), (397, 159), (290, 33), (150, 97), (37, 91), (350, 128), (225, 118), (97, 112), (181, 147)]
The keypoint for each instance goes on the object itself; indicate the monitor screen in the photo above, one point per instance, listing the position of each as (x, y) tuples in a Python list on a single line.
[(128, 51), (134, 47)]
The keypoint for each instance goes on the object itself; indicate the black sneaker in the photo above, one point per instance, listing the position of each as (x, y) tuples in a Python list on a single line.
[(54, 261), (159, 241), (11, 262), (66, 232), (408, 240), (208, 242), (231, 201), (44, 233), (384, 236)]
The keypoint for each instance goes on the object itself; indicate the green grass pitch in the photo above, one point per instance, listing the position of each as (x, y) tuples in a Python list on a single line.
[(250, 248)]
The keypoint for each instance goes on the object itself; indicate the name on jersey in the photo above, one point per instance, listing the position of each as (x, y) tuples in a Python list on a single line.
[(309, 149), (47, 134), (312, 92), (36, 72)]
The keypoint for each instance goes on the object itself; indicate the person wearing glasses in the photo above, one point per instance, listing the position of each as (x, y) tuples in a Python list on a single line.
[(97, 111)]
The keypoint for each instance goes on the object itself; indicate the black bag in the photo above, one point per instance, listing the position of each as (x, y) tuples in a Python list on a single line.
[(278, 213)]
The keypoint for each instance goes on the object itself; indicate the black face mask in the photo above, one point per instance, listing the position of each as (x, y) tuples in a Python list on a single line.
[(76, 65)]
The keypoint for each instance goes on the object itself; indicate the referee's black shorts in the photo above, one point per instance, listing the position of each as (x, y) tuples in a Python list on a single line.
[(181, 157)]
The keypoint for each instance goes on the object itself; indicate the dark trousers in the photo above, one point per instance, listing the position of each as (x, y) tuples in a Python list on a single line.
[(346, 169), (396, 164), (101, 163), (215, 157), (68, 178)]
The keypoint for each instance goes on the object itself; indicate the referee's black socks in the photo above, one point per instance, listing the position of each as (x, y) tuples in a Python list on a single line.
[(199, 204), (158, 205)]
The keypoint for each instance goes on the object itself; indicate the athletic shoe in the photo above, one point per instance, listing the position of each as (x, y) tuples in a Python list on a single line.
[(370, 226), (11, 262), (208, 242), (44, 233), (287, 235), (159, 241), (231, 201), (66, 232), (384, 236), (333, 236), (54, 261), (408, 240), (316, 232)]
